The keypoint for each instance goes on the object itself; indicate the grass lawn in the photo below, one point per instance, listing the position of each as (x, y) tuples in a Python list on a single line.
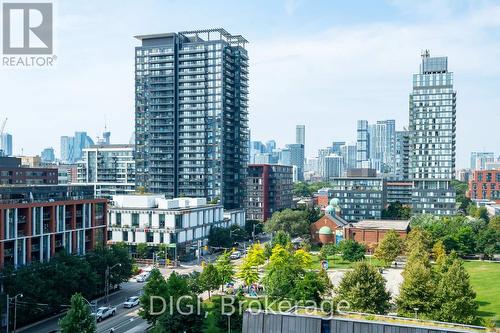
[(336, 262), (485, 279)]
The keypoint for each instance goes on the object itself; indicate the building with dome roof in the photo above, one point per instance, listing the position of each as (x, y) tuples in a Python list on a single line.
[(330, 227)]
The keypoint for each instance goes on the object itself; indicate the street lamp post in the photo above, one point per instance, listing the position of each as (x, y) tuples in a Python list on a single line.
[(92, 310), (9, 299), (106, 280)]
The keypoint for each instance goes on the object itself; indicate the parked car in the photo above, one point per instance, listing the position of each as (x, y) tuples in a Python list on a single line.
[(104, 312), (131, 302), (235, 255)]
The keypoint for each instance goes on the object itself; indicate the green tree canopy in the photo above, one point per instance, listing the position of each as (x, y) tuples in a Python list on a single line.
[(454, 295), (389, 248), (156, 286), (364, 290), (396, 211), (293, 222), (352, 250), (210, 278), (225, 268), (78, 318)]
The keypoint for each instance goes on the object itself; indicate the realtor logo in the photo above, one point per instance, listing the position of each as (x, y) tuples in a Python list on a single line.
[(27, 28)]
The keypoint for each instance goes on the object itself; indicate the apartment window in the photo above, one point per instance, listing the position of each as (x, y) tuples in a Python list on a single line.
[(162, 221), (135, 220), (178, 221), (119, 219), (125, 236), (149, 237)]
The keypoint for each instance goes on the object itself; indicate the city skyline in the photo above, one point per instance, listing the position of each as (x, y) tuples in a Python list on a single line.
[(342, 86)]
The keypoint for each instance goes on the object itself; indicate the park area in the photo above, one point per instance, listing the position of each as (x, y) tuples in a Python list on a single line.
[(485, 280)]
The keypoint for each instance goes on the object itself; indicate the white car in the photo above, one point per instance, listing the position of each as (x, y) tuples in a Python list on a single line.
[(131, 302), (235, 255), (143, 277), (104, 312)]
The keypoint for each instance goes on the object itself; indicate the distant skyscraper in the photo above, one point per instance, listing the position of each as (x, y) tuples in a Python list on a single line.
[(270, 146), (334, 167), (72, 146), (478, 160), (363, 143), (48, 155), (191, 115), (348, 153), (432, 137), (297, 158), (6, 144), (382, 145), (300, 135), (337, 147), (67, 148)]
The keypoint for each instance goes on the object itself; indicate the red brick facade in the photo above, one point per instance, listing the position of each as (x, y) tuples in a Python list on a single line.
[(485, 185)]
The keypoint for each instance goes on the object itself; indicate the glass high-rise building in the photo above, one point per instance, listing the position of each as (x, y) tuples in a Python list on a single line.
[(191, 115), (432, 137), (6, 144), (362, 143), (300, 134)]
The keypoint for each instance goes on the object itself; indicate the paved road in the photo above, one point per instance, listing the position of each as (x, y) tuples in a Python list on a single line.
[(124, 319)]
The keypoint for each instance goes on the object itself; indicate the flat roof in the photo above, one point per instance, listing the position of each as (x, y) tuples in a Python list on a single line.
[(381, 224)]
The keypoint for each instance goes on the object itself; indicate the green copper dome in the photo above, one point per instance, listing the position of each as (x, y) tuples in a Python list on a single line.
[(325, 231), (329, 209), (334, 202)]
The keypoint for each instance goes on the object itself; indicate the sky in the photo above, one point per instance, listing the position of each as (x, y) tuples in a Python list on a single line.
[(324, 64)]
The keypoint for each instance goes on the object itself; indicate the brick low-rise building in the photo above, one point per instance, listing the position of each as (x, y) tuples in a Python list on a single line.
[(269, 189), (371, 232), (13, 173), (485, 185), (36, 222)]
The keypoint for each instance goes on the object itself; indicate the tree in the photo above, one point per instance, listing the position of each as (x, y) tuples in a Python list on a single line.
[(184, 316), (256, 255), (418, 288), (439, 251), (225, 268), (142, 250), (352, 250), (418, 237), (396, 211), (309, 288), (281, 238), (238, 234), (282, 273), (193, 282), (328, 250), (249, 227), (293, 222), (488, 242), (302, 258), (363, 289), (210, 278), (219, 237), (156, 286), (78, 318), (248, 273), (222, 308), (455, 296), (389, 248)]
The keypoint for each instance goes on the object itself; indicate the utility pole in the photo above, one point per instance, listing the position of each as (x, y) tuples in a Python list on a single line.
[(15, 310)]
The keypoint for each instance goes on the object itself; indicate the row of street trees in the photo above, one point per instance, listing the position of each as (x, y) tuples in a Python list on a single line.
[(48, 287)]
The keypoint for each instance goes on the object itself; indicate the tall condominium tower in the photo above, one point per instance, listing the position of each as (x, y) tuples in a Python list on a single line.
[(432, 137), (363, 143), (300, 134), (191, 115)]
